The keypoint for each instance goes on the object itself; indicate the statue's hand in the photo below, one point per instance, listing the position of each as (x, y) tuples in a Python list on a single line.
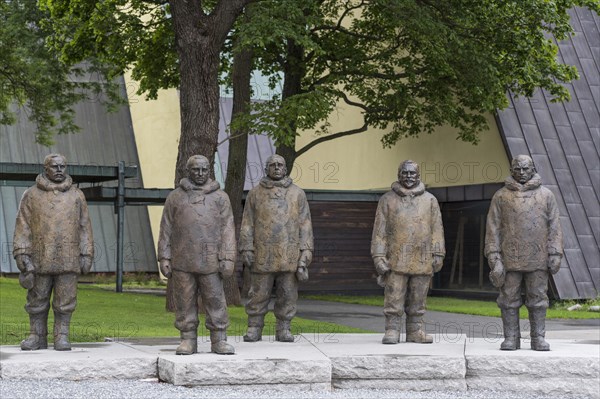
[(554, 263), (381, 265), (85, 263), (305, 258), (302, 273), (497, 274), (226, 268), (165, 267), (438, 262), (248, 258), (24, 263)]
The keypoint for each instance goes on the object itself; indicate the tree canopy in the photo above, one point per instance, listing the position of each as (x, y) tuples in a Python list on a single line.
[(406, 66), (33, 77)]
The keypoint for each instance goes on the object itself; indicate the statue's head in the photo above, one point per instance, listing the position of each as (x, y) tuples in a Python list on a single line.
[(408, 174), (522, 168), (55, 168), (198, 169), (275, 167)]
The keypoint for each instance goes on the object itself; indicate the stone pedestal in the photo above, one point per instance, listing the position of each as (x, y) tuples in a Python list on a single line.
[(91, 361), (320, 362), (361, 361), (281, 366), (571, 367)]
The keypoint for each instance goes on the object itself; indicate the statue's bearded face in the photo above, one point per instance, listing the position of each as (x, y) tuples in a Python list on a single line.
[(408, 175)]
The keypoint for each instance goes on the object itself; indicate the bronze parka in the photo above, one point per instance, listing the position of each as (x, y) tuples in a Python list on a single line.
[(197, 229), (53, 227), (276, 225), (408, 230), (523, 226)]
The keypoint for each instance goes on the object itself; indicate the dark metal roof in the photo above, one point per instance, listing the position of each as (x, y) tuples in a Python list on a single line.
[(564, 141), (105, 139)]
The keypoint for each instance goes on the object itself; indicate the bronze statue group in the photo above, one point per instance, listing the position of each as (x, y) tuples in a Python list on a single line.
[(53, 244)]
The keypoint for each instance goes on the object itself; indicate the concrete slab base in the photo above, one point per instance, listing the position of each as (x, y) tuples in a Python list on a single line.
[(314, 362), (84, 362), (298, 365), (362, 361), (570, 367)]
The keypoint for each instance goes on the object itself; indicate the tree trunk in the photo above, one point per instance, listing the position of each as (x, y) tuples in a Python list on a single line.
[(198, 90), (288, 153), (292, 84), (238, 151), (199, 38)]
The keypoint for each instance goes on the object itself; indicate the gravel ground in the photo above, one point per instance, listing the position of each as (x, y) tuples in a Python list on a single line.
[(154, 389)]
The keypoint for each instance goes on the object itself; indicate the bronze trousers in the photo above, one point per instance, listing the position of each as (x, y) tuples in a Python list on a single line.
[(536, 288), (64, 299), (405, 293), (260, 293), (187, 287)]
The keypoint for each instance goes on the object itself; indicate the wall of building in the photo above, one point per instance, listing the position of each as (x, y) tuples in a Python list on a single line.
[(156, 127), (360, 162)]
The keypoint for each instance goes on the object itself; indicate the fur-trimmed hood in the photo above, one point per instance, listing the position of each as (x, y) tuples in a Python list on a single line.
[(43, 183), (408, 192), (267, 182), (531, 184), (210, 186)]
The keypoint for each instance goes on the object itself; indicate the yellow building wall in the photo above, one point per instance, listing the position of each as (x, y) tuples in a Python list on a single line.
[(156, 127), (359, 162)]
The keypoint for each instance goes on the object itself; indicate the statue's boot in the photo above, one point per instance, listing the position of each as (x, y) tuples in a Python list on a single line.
[(283, 332), (189, 343), (38, 333), (218, 343), (510, 324), (392, 330), (415, 331), (537, 319), (255, 328), (62, 322)]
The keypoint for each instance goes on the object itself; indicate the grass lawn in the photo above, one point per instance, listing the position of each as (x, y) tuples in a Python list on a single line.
[(468, 306), (101, 313)]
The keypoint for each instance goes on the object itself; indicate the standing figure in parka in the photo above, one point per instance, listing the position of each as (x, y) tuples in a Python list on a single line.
[(196, 249), (407, 248), (523, 241), (53, 244), (276, 243)]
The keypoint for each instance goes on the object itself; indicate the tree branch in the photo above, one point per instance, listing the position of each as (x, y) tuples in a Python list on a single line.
[(323, 139), (353, 103), (224, 15), (230, 138)]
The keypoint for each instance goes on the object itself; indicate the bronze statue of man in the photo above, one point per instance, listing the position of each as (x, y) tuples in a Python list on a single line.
[(523, 241), (196, 250), (407, 248), (53, 244), (276, 243)]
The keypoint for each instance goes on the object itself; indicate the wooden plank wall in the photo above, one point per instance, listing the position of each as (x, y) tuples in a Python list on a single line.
[(342, 260)]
